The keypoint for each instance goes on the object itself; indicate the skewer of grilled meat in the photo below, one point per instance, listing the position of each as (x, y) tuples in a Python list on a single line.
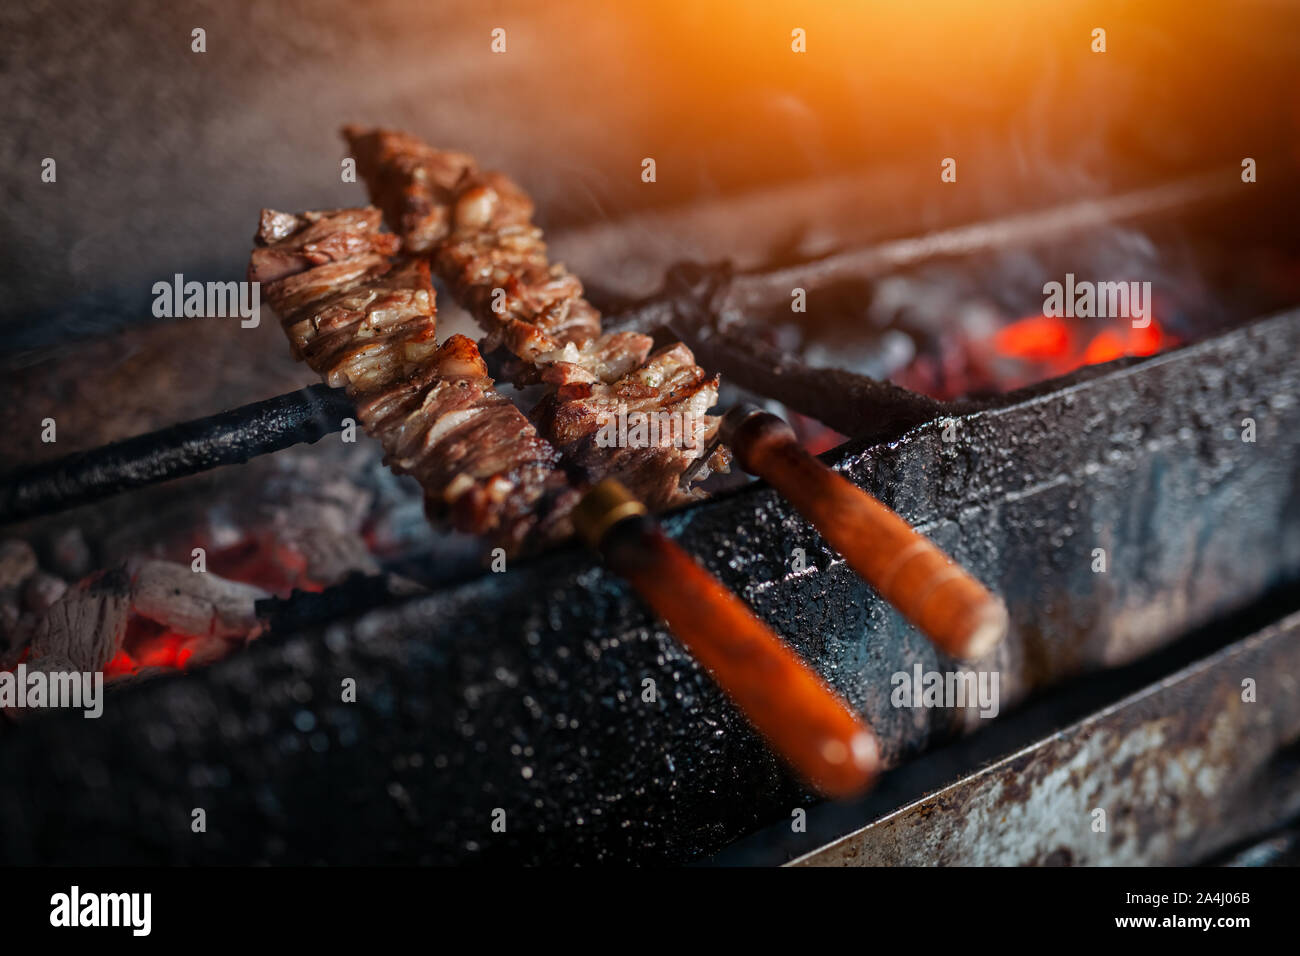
[(366, 322), (476, 227)]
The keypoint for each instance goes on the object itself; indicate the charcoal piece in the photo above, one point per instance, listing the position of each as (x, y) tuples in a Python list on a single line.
[(17, 563), (86, 627), (193, 602), (15, 629), (42, 591), (69, 554)]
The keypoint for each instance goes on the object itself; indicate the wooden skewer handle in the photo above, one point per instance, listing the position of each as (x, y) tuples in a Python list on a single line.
[(803, 720), (950, 607)]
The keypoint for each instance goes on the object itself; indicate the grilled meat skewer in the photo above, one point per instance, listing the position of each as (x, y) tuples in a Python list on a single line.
[(476, 227), (367, 322), (465, 211)]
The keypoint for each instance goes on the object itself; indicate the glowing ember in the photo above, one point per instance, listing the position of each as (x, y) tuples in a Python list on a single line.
[(1054, 343), (1024, 351), (260, 559), (149, 644), (1149, 341), (1038, 338), (178, 619), (263, 560), (1105, 347)]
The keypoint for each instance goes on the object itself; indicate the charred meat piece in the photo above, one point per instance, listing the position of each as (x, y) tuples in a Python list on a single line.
[(644, 429), (299, 259), (477, 229), (606, 358), (481, 462), (291, 244), (415, 180), (364, 337), (367, 323)]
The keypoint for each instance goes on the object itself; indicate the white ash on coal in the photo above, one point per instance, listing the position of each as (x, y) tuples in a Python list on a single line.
[(41, 591), (17, 564), (203, 605), (88, 625), (141, 619)]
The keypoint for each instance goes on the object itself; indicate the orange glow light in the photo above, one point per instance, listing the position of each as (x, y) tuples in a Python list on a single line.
[(1037, 338)]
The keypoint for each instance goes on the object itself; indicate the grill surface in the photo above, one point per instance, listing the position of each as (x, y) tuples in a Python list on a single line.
[(461, 710)]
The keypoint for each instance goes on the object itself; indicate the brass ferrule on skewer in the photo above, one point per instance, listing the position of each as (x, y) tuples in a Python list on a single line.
[(601, 508)]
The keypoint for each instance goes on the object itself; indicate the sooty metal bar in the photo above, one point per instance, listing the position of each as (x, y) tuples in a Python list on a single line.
[(228, 438)]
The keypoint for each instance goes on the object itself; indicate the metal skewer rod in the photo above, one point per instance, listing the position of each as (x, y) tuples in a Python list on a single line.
[(227, 438)]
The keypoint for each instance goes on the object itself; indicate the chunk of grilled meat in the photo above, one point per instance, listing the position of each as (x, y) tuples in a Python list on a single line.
[(448, 427), (666, 400), (477, 229), (416, 183), (368, 324)]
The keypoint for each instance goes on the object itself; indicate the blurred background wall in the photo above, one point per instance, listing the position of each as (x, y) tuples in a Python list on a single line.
[(164, 155)]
